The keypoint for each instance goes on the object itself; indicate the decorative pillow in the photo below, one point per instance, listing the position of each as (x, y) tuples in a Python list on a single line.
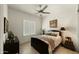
[(52, 34), (56, 33), (48, 33)]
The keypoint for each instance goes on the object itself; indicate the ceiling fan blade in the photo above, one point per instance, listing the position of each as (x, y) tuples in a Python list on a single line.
[(44, 7), (37, 13), (37, 10), (46, 12), (40, 6), (78, 10)]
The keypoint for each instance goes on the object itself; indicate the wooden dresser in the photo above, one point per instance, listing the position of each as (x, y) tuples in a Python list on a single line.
[(11, 46)]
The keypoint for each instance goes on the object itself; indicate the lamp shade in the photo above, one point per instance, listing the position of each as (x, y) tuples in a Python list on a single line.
[(62, 28)]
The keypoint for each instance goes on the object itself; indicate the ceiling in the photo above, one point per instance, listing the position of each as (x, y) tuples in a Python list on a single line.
[(29, 8)]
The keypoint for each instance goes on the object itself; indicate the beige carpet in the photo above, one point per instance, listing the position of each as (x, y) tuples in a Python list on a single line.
[(27, 49), (62, 50)]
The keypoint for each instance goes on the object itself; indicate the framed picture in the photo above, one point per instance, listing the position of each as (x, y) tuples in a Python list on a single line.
[(53, 23), (5, 25)]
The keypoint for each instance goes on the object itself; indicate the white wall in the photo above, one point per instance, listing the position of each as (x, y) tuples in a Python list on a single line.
[(67, 17), (78, 23), (3, 13), (1, 29), (16, 18)]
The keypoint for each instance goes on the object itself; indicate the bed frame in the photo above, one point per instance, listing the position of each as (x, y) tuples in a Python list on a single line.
[(41, 48)]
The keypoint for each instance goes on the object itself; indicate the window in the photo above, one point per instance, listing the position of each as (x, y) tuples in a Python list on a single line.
[(29, 27)]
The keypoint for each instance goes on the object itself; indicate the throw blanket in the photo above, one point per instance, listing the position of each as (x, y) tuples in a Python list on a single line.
[(52, 41)]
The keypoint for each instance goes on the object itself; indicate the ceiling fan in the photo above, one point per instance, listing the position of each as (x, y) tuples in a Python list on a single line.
[(42, 10)]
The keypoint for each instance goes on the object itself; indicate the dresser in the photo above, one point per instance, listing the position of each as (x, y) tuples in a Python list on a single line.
[(11, 46)]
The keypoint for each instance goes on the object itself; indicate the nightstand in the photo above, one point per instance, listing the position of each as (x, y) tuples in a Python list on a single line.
[(69, 44)]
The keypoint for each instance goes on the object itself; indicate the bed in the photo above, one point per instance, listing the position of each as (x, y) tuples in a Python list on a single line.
[(46, 44)]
